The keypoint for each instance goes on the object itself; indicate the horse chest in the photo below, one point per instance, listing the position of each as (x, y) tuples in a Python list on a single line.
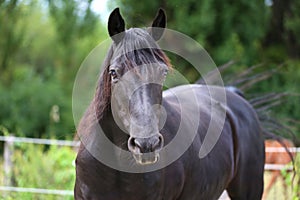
[(150, 186)]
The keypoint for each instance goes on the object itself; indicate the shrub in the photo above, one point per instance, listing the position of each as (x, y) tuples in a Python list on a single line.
[(39, 166)]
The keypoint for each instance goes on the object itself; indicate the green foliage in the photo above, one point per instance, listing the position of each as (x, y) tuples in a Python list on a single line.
[(27, 105), (292, 21), (212, 23), (35, 167), (42, 45), (286, 79), (12, 30), (293, 179)]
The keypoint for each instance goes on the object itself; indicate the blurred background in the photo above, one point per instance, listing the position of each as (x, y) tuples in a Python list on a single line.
[(43, 43)]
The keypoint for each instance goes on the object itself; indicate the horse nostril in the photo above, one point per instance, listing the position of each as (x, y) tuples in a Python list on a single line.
[(145, 145), (159, 144), (132, 146), (137, 145)]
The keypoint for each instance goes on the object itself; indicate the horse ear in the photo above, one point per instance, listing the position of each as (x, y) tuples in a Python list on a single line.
[(116, 26), (159, 23)]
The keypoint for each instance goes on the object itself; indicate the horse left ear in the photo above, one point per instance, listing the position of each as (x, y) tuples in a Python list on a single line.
[(116, 26), (159, 24)]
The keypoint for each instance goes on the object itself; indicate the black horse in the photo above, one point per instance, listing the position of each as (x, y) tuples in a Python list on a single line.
[(140, 142)]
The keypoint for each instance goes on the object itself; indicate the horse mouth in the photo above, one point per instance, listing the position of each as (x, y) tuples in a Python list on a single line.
[(146, 158)]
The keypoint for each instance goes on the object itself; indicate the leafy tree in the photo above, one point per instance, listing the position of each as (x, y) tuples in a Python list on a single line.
[(11, 33), (73, 21), (292, 26), (42, 44), (218, 26), (283, 28)]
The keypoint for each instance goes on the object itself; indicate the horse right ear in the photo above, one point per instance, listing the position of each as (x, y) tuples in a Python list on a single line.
[(116, 26), (158, 24)]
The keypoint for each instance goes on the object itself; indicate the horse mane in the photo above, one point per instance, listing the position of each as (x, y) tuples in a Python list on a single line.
[(137, 48), (102, 96)]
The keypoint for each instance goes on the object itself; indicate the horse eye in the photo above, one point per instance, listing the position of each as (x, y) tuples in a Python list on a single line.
[(113, 74), (166, 72)]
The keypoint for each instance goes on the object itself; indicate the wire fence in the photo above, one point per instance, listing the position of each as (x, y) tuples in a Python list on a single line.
[(13, 139)]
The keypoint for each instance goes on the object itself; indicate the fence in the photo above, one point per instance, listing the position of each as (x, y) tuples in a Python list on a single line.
[(8, 151)]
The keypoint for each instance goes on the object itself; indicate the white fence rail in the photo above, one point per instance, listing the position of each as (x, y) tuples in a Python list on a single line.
[(13, 139), (39, 141), (36, 190), (9, 140), (281, 149)]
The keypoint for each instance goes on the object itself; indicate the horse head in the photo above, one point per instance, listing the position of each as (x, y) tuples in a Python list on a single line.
[(137, 71)]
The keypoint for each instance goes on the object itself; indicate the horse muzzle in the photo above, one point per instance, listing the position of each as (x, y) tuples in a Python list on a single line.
[(146, 150)]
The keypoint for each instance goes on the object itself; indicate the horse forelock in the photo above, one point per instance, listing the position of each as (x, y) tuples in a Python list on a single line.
[(138, 48)]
